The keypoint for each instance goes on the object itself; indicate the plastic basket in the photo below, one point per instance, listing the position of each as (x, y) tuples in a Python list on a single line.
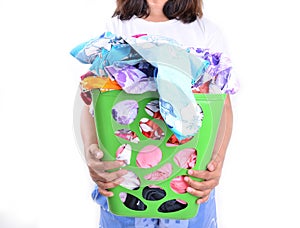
[(203, 142)]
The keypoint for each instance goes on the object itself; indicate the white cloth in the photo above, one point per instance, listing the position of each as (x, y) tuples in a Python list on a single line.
[(201, 33)]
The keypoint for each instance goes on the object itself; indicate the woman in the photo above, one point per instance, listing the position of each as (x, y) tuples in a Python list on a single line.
[(184, 22)]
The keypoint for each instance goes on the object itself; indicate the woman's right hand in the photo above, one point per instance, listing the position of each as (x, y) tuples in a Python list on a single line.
[(98, 170)]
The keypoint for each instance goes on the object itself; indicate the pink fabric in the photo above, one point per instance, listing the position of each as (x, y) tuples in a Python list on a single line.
[(181, 201), (186, 158), (161, 174), (148, 157), (178, 185)]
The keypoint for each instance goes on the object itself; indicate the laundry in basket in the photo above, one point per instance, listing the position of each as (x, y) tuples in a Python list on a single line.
[(146, 114)]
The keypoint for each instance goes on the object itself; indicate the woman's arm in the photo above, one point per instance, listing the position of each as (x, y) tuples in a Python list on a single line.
[(93, 155), (87, 128), (212, 175), (223, 136)]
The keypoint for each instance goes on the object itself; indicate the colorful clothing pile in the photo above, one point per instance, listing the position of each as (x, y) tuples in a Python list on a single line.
[(153, 63)]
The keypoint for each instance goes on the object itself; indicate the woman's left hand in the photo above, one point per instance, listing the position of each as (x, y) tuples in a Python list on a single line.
[(210, 177)]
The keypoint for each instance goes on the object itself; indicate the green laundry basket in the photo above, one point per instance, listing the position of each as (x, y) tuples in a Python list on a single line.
[(203, 142)]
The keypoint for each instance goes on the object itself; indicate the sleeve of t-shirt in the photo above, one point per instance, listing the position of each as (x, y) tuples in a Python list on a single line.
[(215, 37), (216, 42), (112, 25)]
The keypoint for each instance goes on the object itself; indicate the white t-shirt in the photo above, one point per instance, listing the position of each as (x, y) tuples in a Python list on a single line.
[(202, 33)]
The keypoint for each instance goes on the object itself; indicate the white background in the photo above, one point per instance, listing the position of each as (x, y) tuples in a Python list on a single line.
[(44, 181)]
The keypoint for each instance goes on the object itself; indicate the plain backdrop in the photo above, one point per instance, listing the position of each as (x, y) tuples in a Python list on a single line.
[(44, 181)]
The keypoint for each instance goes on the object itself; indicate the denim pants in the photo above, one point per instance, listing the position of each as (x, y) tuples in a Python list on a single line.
[(206, 217)]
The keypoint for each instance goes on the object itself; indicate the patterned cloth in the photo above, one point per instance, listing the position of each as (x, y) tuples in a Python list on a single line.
[(153, 63)]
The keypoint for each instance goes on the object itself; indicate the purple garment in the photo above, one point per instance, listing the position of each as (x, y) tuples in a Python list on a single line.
[(125, 112), (219, 71), (131, 79)]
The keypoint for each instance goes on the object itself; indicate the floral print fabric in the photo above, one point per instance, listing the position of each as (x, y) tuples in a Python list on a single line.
[(153, 63)]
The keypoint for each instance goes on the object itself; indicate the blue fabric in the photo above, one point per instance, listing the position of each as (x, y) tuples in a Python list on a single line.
[(182, 113), (206, 217), (178, 70)]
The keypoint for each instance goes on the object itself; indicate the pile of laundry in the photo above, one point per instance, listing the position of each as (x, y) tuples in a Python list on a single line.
[(144, 63)]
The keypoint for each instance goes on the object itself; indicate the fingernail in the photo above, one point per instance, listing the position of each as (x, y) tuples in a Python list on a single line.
[(190, 172), (111, 194), (98, 155), (186, 179), (211, 167), (189, 189)]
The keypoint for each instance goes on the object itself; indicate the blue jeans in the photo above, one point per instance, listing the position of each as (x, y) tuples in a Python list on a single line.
[(206, 217)]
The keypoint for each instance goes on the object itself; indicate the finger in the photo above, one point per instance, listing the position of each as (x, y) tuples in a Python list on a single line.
[(105, 192), (103, 187), (95, 151), (197, 193), (109, 165), (110, 177), (202, 174), (94, 175), (202, 200), (109, 185), (101, 166), (214, 163), (200, 185)]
